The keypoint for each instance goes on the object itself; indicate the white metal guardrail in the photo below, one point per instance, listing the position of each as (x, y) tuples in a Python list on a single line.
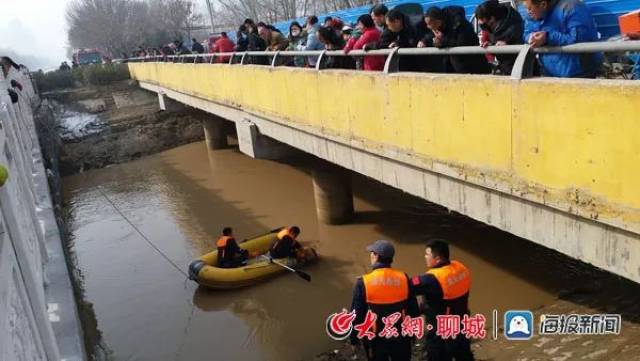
[(523, 67)]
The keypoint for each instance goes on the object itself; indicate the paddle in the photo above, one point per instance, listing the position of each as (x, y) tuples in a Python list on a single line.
[(303, 275)]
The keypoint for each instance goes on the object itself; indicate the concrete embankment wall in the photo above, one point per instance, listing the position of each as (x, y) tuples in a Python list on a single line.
[(102, 125), (39, 319), (550, 160)]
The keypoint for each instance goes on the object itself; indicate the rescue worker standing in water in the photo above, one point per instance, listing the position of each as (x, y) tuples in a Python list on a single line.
[(445, 288), (384, 291), (286, 245), (230, 255)]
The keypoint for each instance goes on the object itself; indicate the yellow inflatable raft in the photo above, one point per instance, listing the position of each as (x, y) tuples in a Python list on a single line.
[(205, 273)]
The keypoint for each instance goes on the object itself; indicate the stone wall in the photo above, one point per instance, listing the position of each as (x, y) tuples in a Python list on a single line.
[(39, 315)]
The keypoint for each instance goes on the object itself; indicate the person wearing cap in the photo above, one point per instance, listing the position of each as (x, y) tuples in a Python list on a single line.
[(345, 33), (445, 289), (384, 291)]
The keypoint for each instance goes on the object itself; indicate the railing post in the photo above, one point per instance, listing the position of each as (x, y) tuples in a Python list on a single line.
[(243, 59), (233, 56), (275, 59), (320, 61), (392, 64), (523, 67)]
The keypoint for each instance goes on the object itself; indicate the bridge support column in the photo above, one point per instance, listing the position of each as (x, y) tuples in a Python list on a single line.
[(333, 195), (161, 102), (214, 133)]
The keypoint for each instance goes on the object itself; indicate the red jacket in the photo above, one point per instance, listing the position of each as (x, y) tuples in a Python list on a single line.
[(371, 62), (223, 45)]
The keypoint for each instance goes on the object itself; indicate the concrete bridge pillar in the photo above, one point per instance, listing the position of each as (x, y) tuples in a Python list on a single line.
[(214, 133), (333, 195)]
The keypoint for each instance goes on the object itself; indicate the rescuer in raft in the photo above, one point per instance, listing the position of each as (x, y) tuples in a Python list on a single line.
[(230, 255), (286, 245)]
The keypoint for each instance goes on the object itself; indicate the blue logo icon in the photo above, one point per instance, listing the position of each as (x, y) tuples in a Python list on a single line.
[(518, 325)]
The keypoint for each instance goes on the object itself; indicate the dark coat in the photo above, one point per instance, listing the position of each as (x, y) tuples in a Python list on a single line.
[(242, 44), (338, 62), (405, 38), (386, 37), (197, 48), (256, 43), (408, 37), (510, 29), (458, 31)]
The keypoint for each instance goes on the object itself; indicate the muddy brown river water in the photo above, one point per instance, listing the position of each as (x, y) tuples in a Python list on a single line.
[(180, 199)]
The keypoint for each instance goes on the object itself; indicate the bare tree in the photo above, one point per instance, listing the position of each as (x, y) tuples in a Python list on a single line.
[(122, 25), (272, 11), (118, 26)]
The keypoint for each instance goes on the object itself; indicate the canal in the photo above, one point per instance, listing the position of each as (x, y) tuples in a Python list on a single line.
[(135, 227)]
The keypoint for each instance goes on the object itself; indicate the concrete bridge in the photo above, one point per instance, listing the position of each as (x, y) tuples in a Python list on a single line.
[(550, 160)]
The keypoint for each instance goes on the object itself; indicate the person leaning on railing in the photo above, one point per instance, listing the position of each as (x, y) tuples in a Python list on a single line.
[(379, 15), (559, 23), (505, 26), (448, 28), (333, 42), (370, 35), (254, 42), (274, 39), (223, 45), (297, 41), (636, 56), (312, 42), (400, 34)]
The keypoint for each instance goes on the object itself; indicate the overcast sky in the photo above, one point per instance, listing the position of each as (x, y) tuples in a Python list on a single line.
[(38, 27), (34, 27)]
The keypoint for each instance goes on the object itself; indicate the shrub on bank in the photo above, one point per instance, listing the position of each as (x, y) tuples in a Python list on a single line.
[(99, 74), (105, 73), (54, 80)]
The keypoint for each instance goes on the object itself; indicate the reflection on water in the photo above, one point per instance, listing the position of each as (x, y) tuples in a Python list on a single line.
[(180, 199)]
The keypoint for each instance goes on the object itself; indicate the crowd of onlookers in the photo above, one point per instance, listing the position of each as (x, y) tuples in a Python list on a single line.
[(177, 47), (547, 23)]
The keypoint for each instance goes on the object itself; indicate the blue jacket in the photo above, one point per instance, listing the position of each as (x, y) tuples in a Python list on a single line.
[(568, 22), (313, 43)]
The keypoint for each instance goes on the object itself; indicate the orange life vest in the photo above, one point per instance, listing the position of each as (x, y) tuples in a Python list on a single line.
[(386, 286), (285, 232), (386, 292), (221, 243), (454, 278)]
